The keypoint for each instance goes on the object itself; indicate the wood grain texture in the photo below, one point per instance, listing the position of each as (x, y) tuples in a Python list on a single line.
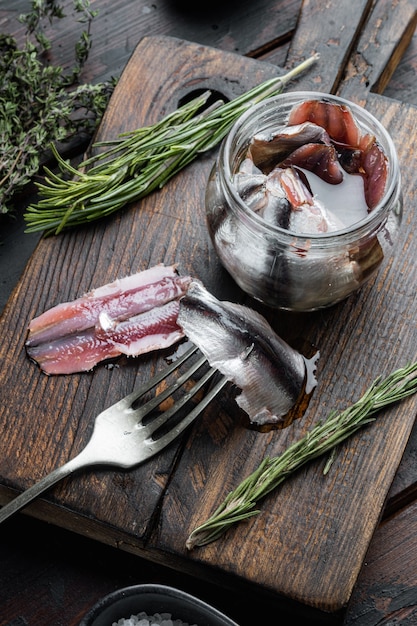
[(401, 85), (331, 30), (243, 27), (312, 536), (381, 45), (386, 591)]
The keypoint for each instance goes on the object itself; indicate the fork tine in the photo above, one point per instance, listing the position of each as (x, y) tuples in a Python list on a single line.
[(150, 405), (130, 400), (155, 380), (161, 442), (165, 415), (154, 445)]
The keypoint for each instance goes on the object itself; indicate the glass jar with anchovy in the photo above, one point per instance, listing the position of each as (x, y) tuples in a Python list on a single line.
[(304, 200)]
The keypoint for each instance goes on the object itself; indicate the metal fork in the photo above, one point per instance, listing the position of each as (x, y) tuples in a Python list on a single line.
[(122, 437)]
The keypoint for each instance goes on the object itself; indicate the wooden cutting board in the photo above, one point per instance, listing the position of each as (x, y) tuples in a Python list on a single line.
[(308, 543)]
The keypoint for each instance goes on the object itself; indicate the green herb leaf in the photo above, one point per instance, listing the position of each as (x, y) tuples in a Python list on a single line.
[(240, 503), (39, 103)]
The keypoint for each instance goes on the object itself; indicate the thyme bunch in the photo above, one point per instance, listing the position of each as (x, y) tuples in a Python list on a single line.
[(40, 103), (241, 502), (140, 161)]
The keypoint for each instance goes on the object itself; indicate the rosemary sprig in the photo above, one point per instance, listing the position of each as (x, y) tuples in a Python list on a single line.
[(240, 504), (140, 161)]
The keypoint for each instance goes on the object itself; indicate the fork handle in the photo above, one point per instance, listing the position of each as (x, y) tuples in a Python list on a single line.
[(38, 488)]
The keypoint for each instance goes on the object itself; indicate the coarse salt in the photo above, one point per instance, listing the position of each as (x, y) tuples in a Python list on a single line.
[(158, 619)]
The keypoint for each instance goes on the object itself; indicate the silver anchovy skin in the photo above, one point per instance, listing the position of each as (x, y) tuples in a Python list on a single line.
[(268, 149), (241, 344)]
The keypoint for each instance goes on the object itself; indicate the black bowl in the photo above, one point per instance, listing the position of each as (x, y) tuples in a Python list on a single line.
[(154, 599)]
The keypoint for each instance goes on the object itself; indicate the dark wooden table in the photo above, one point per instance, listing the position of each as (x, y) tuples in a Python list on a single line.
[(51, 575)]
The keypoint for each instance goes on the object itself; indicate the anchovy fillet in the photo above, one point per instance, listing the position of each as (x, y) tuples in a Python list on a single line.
[(130, 316), (241, 344), (120, 300)]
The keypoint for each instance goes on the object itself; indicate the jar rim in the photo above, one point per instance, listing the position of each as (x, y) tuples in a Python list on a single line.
[(355, 230)]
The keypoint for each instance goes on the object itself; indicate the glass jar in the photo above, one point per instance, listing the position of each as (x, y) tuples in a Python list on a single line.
[(284, 269)]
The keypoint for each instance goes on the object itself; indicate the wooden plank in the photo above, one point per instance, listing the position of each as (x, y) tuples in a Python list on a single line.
[(381, 46), (331, 518), (402, 83), (404, 487), (245, 28), (329, 30), (386, 591)]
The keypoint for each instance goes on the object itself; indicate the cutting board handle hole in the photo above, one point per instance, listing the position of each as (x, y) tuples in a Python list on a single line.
[(215, 96)]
